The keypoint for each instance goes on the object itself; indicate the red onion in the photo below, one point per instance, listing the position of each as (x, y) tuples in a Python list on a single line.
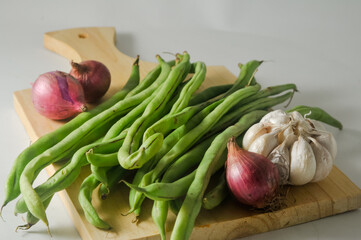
[(252, 178), (57, 95), (94, 76)]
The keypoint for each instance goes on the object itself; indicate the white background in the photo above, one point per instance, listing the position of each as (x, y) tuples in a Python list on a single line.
[(315, 44)]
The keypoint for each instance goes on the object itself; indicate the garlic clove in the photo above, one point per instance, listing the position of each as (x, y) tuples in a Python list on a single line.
[(327, 140), (265, 143), (287, 133), (296, 116), (280, 157), (253, 133), (302, 162), (276, 117), (324, 160)]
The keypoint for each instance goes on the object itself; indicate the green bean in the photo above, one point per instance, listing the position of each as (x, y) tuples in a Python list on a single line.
[(317, 113), (165, 191), (12, 187), (30, 219), (167, 197), (151, 78), (67, 174), (146, 151), (217, 194), (175, 205), (269, 91), (115, 174), (159, 215), (85, 197), (109, 146), (100, 173), (102, 159), (208, 94), (190, 88), (187, 161), (135, 133), (246, 76), (192, 203), (171, 122)]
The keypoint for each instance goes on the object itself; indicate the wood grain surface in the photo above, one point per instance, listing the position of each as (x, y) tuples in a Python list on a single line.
[(334, 195)]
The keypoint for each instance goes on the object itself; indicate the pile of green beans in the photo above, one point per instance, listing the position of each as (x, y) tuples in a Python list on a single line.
[(159, 136)]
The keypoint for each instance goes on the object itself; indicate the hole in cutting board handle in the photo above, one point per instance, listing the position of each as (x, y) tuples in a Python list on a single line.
[(82, 35)]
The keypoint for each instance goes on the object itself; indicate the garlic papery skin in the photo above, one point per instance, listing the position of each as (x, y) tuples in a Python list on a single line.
[(324, 160), (265, 143), (254, 132), (276, 117), (302, 162), (280, 157)]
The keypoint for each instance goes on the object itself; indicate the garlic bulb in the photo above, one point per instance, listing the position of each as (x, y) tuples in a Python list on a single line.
[(301, 148)]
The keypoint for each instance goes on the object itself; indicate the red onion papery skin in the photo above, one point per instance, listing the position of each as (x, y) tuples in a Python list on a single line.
[(94, 76), (57, 95), (252, 178)]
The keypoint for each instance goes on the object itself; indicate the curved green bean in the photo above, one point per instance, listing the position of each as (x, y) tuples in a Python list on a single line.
[(155, 107), (192, 203), (85, 197), (190, 88)]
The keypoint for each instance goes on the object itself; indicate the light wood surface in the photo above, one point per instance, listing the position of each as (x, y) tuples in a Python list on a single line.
[(334, 195)]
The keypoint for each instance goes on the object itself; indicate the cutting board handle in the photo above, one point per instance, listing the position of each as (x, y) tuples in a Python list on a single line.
[(95, 43)]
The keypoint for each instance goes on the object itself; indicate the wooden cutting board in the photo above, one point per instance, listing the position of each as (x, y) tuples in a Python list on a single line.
[(334, 195)]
